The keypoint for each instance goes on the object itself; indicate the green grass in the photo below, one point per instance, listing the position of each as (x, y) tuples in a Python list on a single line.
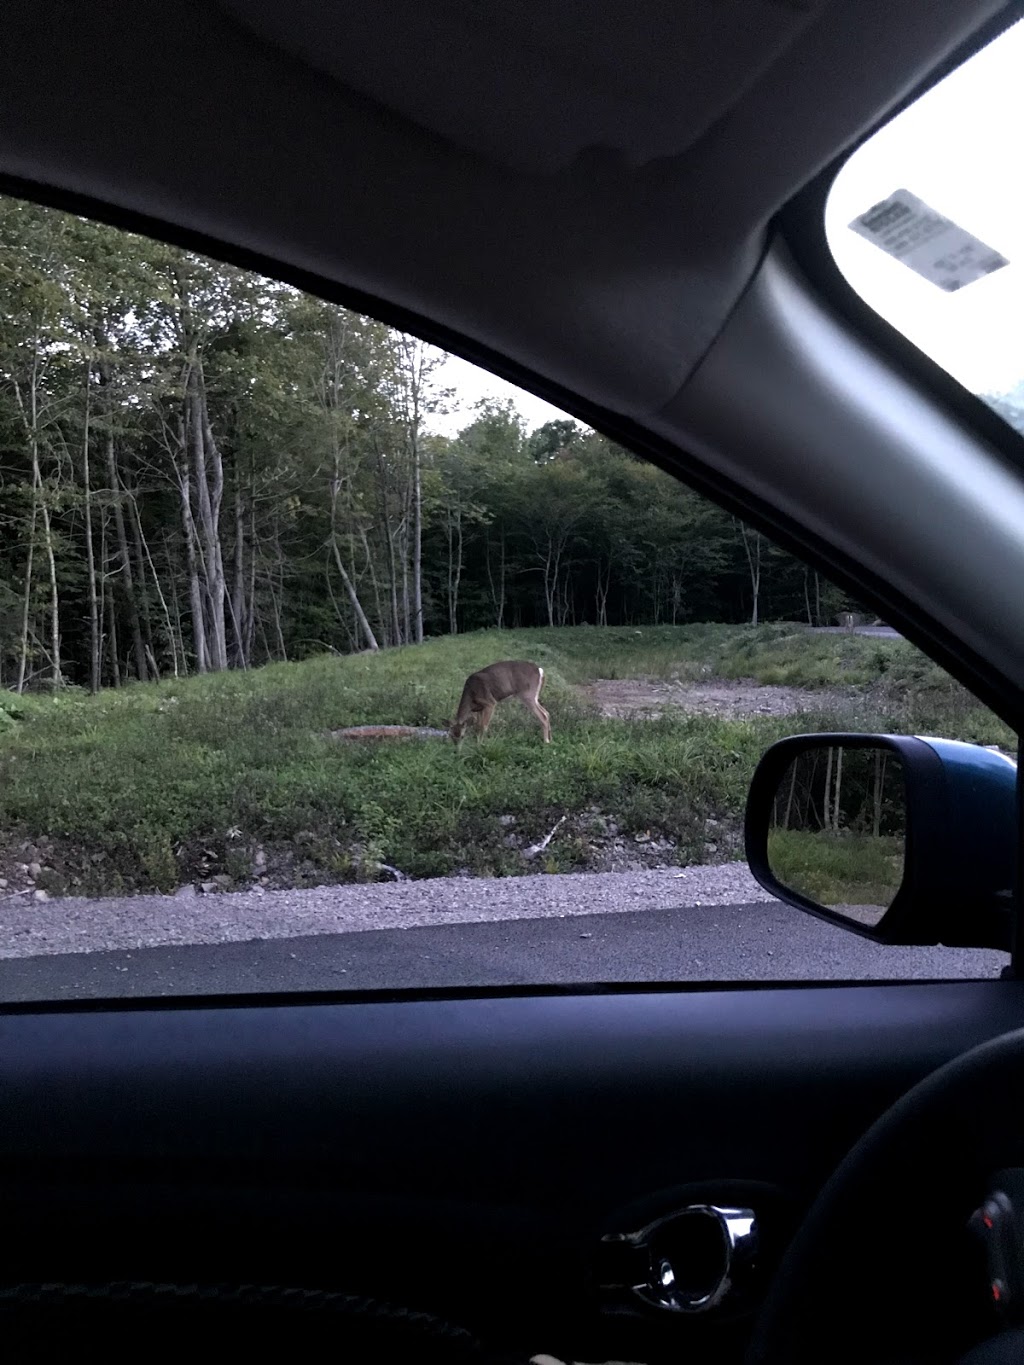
[(842, 869), (151, 785)]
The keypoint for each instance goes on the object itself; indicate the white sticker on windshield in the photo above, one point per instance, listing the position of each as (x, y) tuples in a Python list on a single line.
[(906, 228)]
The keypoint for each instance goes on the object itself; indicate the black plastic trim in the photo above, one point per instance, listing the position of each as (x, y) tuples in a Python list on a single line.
[(417, 995)]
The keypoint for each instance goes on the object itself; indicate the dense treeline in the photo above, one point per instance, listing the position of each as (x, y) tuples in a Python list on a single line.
[(202, 469)]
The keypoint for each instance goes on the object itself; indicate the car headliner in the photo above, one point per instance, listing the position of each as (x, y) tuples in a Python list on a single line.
[(578, 194)]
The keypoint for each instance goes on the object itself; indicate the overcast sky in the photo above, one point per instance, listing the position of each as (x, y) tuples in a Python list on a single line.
[(959, 149), (472, 384)]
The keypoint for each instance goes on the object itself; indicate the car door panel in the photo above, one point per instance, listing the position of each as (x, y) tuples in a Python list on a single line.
[(455, 1154)]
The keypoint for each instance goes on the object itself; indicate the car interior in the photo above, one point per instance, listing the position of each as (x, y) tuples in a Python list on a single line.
[(620, 210)]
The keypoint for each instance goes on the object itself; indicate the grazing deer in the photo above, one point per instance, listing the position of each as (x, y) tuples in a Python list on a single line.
[(498, 682)]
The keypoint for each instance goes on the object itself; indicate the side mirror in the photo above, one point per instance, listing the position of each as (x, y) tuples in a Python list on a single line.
[(898, 838)]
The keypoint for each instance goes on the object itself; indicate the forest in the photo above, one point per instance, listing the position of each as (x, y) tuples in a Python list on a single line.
[(202, 469)]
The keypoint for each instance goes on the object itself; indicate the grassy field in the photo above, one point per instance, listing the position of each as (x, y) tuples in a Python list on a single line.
[(233, 775), (844, 869)]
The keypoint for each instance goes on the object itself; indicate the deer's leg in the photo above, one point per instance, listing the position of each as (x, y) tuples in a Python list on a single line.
[(483, 718), (532, 704)]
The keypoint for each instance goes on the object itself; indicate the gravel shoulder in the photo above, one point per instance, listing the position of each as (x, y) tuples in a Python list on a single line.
[(647, 699), (80, 925)]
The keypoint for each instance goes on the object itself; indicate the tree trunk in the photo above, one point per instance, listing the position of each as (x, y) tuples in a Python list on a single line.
[(250, 623), (238, 584), (26, 602), (95, 663), (140, 580), (208, 471), (417, 531), (350, 588), (195, 591), (108, 608), (143, 547), (754, 565), (353, 597), (826, 817), (126, 579), (836, 812), (497, 596), (453, 532)]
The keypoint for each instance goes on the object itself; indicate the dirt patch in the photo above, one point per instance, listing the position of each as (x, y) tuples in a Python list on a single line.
[(647, 699)]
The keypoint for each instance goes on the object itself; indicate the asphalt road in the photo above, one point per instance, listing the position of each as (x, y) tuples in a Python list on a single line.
[(757, 942)]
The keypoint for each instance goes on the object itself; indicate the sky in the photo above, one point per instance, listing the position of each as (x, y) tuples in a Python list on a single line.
[(473, 384), (959, 149)]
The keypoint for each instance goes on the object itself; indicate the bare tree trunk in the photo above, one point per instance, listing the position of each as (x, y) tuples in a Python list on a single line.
[(603, 586), (109, 613), (836, 812), (403, 554), (453, 533), (353, 597), (826, 816), (876, 821), (26, 601), (497, 596), (389, 545), (39, 501), (754, 566), (126, 579), (552, 566), (275, 605), (414, 367), (238, 584), (346, 578), (140, 580), (378, 600), (90, 549), (250, 623), (789, 799), (56, 676), (501, 583), (143, 547), (417, 529), (208, 470), (195, 592), (179, 630)]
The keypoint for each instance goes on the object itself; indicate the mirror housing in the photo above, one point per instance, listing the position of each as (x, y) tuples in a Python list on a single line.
[(960, 842)]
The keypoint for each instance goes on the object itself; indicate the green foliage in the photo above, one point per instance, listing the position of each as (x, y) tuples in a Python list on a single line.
[(157, 781), (838, 869), (321, 424)]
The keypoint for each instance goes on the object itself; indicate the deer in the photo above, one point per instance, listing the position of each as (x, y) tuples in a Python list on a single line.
[(495, 683)]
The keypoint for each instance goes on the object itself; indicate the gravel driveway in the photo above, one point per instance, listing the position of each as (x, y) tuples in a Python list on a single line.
[(79, 925), (647, 698)]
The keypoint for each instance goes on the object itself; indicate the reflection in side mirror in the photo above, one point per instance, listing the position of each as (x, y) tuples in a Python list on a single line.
[(837, 832)]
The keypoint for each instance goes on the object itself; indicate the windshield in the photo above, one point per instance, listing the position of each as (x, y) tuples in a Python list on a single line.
[(926, 222), (329, 662)]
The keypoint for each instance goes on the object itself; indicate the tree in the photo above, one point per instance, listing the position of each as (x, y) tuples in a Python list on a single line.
[(201, 469)]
